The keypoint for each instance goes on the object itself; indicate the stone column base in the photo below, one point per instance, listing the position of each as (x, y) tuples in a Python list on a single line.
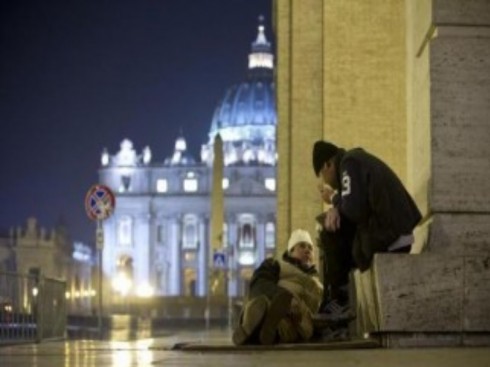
[(426, 299)]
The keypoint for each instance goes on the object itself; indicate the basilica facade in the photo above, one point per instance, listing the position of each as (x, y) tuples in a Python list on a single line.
[(157, 242)]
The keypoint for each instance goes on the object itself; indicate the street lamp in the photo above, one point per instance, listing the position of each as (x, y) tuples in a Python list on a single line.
[(122, 284)]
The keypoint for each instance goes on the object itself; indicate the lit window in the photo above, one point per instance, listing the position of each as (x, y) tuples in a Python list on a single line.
[(270, 235), (124, 230), (190, 185), (246, 232), (189, 235), (226, 183), (270, 184), (260, 60), (162, 185)]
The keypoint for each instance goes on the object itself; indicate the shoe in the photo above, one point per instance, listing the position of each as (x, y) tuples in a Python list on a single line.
[(278, 309), (337, 312), (253, 314)]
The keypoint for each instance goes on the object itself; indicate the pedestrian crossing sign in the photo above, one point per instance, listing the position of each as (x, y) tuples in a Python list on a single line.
[(219, 260)]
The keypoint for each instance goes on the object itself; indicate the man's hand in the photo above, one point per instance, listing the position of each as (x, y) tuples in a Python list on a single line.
[(326, 192), (332, 220)]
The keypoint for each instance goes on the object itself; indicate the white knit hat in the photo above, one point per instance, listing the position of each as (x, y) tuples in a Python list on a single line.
[(299, 235)]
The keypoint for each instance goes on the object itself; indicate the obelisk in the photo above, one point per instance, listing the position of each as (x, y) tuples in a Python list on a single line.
[(217, 273)]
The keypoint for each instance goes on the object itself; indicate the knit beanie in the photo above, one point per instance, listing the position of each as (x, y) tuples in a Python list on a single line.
[(299, 235), (322, 152)]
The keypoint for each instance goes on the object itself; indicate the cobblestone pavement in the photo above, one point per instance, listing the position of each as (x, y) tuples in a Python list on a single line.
[(158, 352)]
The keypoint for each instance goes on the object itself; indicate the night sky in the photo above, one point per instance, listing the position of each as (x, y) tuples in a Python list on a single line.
[(78, 76)]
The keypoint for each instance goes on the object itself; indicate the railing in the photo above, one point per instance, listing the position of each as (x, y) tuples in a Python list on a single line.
[(31, 308)]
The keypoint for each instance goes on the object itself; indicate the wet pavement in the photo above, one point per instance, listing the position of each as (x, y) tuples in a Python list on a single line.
[(158, 352)]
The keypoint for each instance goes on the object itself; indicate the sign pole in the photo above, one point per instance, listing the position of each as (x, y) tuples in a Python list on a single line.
[(99, 205), (230, 284), (100, 246)]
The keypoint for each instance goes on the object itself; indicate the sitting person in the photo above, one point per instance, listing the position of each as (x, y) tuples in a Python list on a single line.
[(371, 212), (283, 296)]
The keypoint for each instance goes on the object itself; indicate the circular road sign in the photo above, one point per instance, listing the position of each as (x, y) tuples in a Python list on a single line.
[(99, 202)]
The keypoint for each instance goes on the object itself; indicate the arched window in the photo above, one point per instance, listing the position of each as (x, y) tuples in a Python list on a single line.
[(246, 231), (270, 234), (189, 235)]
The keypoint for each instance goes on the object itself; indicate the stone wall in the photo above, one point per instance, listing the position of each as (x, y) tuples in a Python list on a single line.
[(341, 77), (364, 78), (410, 82), (441, 297), (460, 109), (300, 113)]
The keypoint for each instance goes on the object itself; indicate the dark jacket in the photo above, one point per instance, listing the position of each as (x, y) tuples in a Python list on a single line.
[(374, 198)]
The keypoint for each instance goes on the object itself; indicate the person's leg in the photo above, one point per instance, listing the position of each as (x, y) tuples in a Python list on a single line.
[(253, 313), (337, 263), (280, 306), (300, 316), (286, 331)]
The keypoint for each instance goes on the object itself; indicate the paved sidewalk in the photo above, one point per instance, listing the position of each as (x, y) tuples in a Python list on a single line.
[(158, 352)]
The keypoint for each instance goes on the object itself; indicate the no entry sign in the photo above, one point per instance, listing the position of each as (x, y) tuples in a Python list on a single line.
[(99, 202)]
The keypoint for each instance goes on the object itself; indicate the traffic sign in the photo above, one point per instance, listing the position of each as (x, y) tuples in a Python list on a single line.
[(219, 260), (99, 202)]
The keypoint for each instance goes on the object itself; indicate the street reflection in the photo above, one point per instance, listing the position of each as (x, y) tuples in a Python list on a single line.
[(122, 358), (86, 353), (125, 353), (144, 355), (76, 353)]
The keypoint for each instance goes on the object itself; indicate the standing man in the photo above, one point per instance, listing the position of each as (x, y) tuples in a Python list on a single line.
[(371, 212)]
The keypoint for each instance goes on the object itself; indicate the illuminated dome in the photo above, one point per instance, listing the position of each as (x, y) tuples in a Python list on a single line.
[(246, 116)]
